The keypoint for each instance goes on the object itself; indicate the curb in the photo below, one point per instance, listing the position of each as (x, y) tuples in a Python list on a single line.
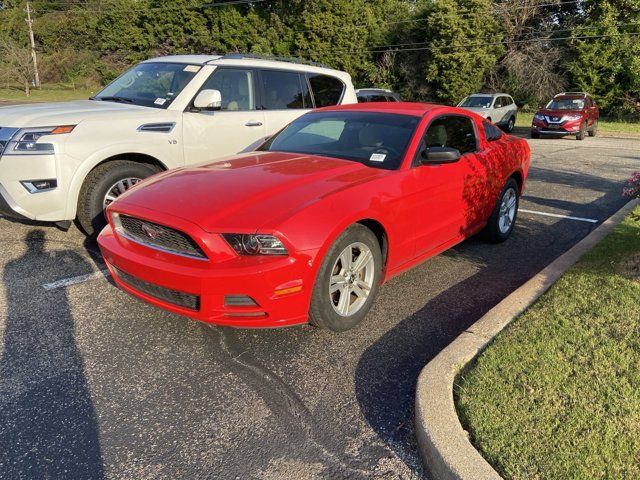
[(444, 445)]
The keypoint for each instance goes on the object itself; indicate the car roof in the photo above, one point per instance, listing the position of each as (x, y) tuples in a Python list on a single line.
[(254, 61), (374, 90), (489, 95), (401, 108)]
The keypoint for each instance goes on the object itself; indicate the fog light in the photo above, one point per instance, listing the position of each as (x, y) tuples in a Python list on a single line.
[(35, 186), (239, 301)]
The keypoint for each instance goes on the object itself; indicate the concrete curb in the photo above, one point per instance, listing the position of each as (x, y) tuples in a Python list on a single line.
[(444, 446)]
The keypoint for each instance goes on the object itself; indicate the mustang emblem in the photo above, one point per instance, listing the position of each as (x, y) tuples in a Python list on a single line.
[(149, 231)]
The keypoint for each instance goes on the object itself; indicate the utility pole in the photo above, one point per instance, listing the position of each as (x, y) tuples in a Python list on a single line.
[(33, 45)]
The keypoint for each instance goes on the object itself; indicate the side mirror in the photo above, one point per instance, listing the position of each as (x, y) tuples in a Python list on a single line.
[(208, 100), (437, 155)]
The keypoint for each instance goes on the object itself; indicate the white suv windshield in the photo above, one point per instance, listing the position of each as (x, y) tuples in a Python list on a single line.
[(477, 102), (149, 84)]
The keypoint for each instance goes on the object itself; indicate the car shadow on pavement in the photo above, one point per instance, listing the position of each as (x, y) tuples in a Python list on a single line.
[(388, 370), (48, 425)]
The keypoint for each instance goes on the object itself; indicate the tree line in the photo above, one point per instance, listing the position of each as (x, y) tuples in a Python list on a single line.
[(427, 50)]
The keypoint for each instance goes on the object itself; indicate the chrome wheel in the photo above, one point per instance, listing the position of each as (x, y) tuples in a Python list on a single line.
[(508, 207), (351, 279), (118, 189)]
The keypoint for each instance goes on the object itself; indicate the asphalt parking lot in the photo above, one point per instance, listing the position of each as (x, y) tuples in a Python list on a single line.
[(95, 384)]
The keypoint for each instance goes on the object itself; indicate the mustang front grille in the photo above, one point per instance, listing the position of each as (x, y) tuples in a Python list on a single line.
[(160, 237), (181, 299)]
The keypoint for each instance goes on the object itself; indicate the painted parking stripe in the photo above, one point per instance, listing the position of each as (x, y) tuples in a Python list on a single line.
[(555, 215), (65, 282)]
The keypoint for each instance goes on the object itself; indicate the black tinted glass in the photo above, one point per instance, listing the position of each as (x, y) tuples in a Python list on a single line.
[(283, 90), (454, 132), (327, 90)]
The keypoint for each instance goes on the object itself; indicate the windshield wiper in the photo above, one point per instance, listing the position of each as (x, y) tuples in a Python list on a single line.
[(115, 99)]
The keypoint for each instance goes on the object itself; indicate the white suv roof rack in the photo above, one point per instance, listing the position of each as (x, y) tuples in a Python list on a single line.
[(240, 56)]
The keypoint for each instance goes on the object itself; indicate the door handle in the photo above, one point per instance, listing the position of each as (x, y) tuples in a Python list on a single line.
[(253, 124)]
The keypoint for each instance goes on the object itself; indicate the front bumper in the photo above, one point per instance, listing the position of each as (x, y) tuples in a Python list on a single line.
[(259, 278), (569, 127), (17, 201)]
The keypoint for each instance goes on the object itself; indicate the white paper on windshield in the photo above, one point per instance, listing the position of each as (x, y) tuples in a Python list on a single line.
[(377, 157), (160, 101), (191, 68)]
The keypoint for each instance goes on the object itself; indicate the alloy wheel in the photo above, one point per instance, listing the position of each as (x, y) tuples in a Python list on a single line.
[(351, 279), (507, 210), (118, 189)]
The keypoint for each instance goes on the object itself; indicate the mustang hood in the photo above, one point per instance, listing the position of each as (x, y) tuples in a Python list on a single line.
[(243, 192), (64, 113)]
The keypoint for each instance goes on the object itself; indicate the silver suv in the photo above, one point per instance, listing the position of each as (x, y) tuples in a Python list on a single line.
[(498, 108)]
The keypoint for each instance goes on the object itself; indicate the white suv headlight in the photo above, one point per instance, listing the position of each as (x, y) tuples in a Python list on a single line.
[(26, 140)]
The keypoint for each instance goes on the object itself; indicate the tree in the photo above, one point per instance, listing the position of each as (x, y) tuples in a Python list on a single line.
[(16, 63), (456, 44), (609, 66)]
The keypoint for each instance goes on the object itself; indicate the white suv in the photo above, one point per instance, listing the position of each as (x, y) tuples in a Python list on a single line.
[(61, 161), (498, 108)]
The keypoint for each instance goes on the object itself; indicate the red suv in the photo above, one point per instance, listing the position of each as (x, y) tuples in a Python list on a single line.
[(569, 113)]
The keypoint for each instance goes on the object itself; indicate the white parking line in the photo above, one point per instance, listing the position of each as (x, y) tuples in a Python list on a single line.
[(555, 215), (65, 282)]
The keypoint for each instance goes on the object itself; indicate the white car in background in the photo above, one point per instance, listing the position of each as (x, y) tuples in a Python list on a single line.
[(66, 161), (498, 108)]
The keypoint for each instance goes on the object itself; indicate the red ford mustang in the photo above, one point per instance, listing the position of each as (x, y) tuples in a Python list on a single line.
[(306, 228)]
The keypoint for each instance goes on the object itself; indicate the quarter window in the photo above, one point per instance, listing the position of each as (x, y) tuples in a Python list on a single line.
[(327, 91), (285, 90), (453, 132), (491, 132), (235, 86)]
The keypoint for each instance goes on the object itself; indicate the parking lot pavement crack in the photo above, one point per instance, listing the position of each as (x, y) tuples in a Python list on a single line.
[(283, 402)]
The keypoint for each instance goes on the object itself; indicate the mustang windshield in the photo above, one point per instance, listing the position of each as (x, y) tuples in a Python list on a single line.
[(566, 104), (149, 84), (375, 139), (477, 102)]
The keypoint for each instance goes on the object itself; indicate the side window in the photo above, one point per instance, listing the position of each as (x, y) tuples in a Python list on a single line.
[(508, 101), (235, 86), (491, 132), (284, 90), (452, 131), (378, 98), (327, 90), (498, 103)]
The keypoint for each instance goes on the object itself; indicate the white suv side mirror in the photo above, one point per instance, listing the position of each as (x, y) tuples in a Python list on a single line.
[(208, 100)]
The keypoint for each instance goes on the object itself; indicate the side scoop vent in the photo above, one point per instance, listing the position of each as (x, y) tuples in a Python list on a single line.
[(157, 127)]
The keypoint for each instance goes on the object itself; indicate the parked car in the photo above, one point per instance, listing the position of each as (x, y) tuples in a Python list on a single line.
[(568, 113), (376, 95), (307, 227), (498, 108), (62, 161)]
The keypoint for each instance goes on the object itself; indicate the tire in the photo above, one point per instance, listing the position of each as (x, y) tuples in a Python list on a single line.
[(99, 182), (494, 232), (325, 305), (583, 132), (594, 129), (510, 125), (535, 134)]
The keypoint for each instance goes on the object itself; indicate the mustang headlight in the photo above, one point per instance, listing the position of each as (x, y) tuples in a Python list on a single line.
[(537, 116), (26, 140), (259, 244)]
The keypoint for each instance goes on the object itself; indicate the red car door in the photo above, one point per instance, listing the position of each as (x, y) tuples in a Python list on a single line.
[(446, 193)]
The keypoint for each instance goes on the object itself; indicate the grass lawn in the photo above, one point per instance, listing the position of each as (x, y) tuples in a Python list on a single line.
[(557, 394), (47, 93), (604, 125)]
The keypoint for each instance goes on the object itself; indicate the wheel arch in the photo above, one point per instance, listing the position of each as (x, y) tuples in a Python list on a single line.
[(89, 166), (517, 176)]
